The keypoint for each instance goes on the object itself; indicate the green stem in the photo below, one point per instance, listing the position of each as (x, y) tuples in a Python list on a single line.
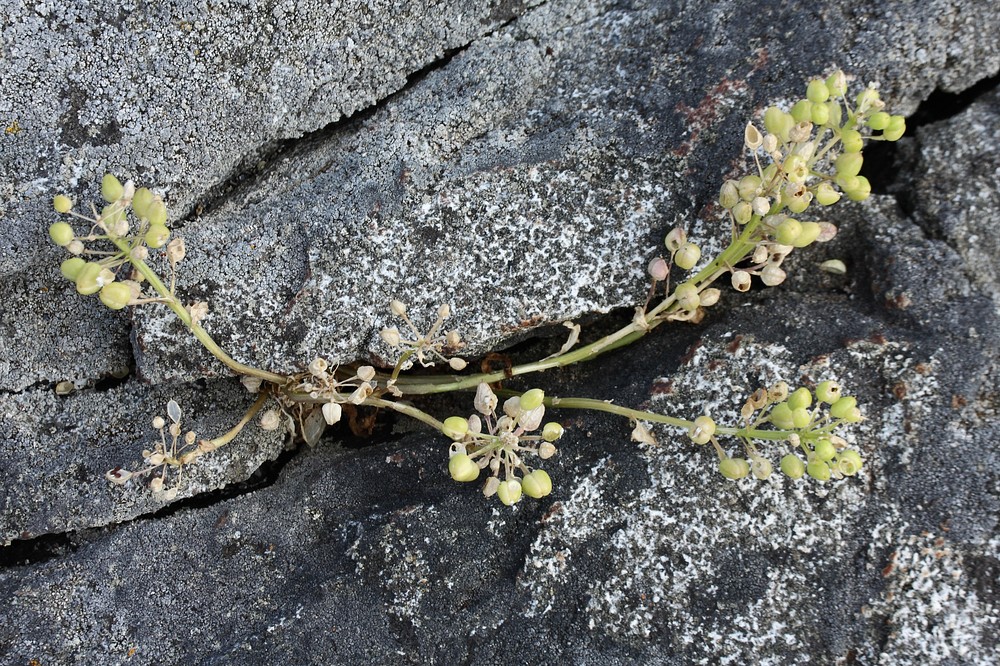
[(174, 304), (684, 424), (235, 430), (736, 252)]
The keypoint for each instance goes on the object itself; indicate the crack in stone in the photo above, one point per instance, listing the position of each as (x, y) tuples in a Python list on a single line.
[(252, 166)]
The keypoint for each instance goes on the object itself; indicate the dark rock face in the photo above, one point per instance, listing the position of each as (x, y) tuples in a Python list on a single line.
[(521, 163)]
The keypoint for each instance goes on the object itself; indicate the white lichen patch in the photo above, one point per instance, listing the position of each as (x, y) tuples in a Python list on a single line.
[(931, 607), (735, 572)]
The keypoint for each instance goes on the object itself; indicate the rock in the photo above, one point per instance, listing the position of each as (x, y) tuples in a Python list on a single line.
[(524, 178)]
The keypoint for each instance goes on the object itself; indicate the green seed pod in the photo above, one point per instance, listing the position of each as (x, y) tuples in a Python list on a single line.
[(802, 111), (533, 399), (810, 232), (836, 83), (455, 427), (800, 398), (782, 416), (62, 203), (687, 256), (749, 187), (116, 295), (742, 212), (835, 114), (734, 468), (462, 468), (801, 418), (87, 278), (849, 462), (861, 190), (843, 407), (71, 268), (828, 392), (536, 484), (879, 121), (895, 129), (820, 114), (157, 236), (729, 194), (552, 431), (852, 140), (157, 213), (111, 188), (817, 91), (701, 430), (792, 466), (824, 449), (778, 122), (509, 492), (818, 470), (141, 202), (825, 194), (787, 231), (61, 234), (849, 164)]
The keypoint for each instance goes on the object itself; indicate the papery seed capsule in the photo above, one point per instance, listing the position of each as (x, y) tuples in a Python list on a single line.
[(658, 269), (457, 364), (761, 468), (772, 275), (741, 281), (332, 412), (270, 420), (710, 297), (675, 239), (701, 430), (397, 308), (390, 336), (752, 137), (729, 194), (849, 462), (546, 450)]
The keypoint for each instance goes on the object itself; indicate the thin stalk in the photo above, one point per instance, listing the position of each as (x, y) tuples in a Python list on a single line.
[(736, 252), (684, 424), (235, 430)]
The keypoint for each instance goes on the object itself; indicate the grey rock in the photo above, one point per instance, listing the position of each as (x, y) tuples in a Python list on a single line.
[(561, 143)]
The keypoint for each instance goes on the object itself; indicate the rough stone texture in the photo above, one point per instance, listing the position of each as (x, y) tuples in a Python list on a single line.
[(555, 149)]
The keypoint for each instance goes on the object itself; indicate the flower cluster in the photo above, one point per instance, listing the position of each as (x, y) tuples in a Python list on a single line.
[(503, 445), (814, 150), (180, 451), (435, 345), (99, 274), (807, 418)]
